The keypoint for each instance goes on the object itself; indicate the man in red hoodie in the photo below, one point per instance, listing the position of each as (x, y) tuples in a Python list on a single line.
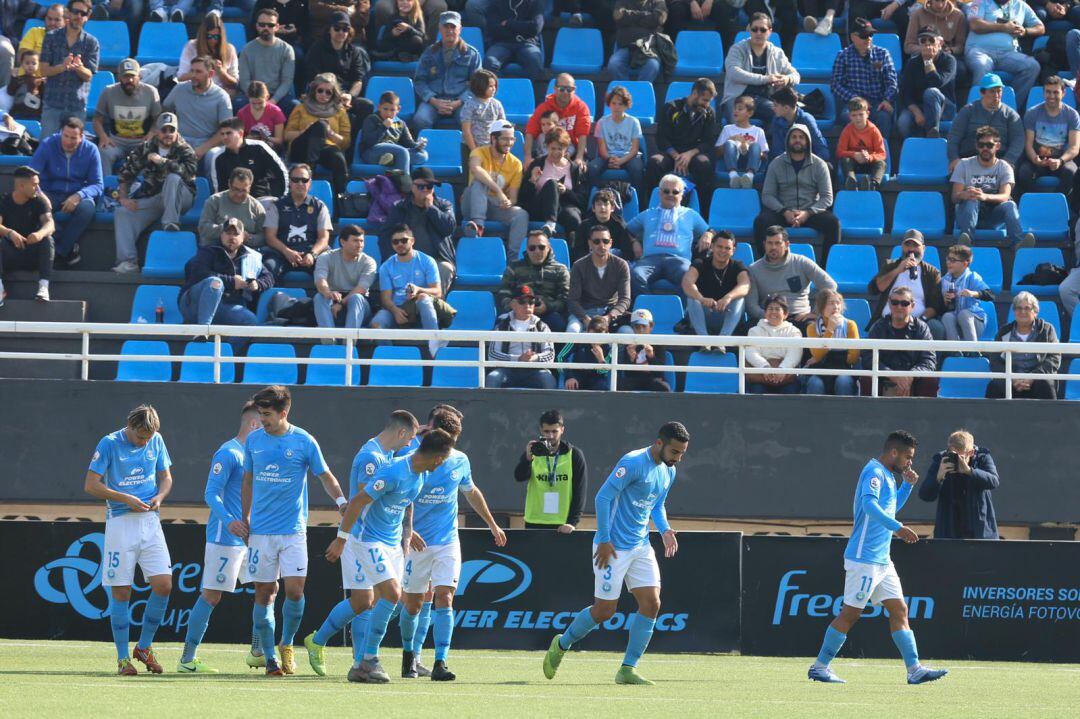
[(574, 117)]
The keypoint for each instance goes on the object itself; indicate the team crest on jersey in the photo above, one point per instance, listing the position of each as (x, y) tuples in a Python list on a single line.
[(861, 596), (221, 578), (369, 469), (379, 484), (149, 456), (455, 474), (217, 468), (875, 483), (97, 456), (620, 472), (288, 453)]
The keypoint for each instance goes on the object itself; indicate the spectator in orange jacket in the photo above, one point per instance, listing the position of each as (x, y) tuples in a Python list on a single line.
[(861, 148)]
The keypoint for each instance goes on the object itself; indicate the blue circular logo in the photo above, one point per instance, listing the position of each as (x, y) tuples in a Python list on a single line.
[(221, 578), (79, 577), (607, 586), (112, 574)]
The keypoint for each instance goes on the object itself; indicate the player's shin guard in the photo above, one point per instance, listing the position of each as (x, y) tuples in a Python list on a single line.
[(197, 623), (380, 617), (423, 621), (339, 616), (641, 631), (359, 634), (292, 611), (152, 616), (905, 642), (444, 632), (407, 623), (262, 616), (579, 628), (830, 647), (121, 627)]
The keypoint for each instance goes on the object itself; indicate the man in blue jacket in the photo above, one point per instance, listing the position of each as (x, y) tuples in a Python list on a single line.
[(442, 75), (513, 35), (223, 282), (788, 113), (960, 480), (70, 169)]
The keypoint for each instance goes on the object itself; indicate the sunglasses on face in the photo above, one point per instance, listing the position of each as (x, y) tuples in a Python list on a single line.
[(422, 186), (526, 300), (565, 88), (324, 91), (535, 248), (759, 29), (341, 28), (600, 241), (80, 13), (266, 24), (900, 303), (1024, 308), (300, 180), (400, 241), (927, 40), (987, 145), (214, 36), (168, 131), (667, 191)]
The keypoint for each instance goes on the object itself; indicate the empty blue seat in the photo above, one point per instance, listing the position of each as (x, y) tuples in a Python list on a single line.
[(475, 310), (827, 119), (204, 371), (472, 36), (992, 322), (734, 210), (578, 50), (921, 210), (931, 256), (744, 253), (444, 152), (518, 150), (202, 194), (858, 310), (813, 55), (480, 260), (331, 375), (804, 249), (861, 214), (1074, 328), (149, 297), (235, 33), (667, 311), (1036, 96), (923, 161), (891, 42), (585, 90), (643, 95), (1024, 263), (405, 375), (701, 53), (1008, 96), (284, 373), (162, 42), (987, 262), (262, 309), (1048, 312), (322, 190), (1046, 214), (403, 86), (130, 370), (1072, 387), (680, 89), (167, 252), (852, 266), (516, 96), (101, 80), (712, 382), (114, 40), (966, 387), (463, 377)]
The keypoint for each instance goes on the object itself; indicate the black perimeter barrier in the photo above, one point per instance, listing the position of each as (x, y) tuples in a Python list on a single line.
[(723, 592)]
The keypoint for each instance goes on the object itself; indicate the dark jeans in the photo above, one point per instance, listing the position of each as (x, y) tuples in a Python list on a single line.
[(824, 222), (311, 148), (520, 378), (875, 168), (38, 256), (554, 321), (547, 206), (920, 387), (1027, 174), (722, 15), (1040, 389), (276, 264), (642, 382), (701, 172)]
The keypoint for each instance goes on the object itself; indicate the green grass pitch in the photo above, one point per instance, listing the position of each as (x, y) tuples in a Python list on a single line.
[(77, 679)]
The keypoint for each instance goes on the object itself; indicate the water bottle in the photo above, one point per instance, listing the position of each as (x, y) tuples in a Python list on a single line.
[(159, 312)]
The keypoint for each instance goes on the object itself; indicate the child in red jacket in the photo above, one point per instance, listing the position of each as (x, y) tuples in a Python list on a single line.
[(861, 149)]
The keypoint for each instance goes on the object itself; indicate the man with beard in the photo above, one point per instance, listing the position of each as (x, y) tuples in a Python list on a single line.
[(124, 115), (200, 106), (685, 135), (982, 192), (271, 60), (494, 180)]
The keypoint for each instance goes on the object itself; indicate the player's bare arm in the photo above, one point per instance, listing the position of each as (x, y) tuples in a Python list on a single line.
[(476, 500), (95, 487)]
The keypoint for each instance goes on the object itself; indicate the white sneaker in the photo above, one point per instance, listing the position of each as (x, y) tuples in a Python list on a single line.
[(158, 15), (126, 267), (824, 27), (42, 294)]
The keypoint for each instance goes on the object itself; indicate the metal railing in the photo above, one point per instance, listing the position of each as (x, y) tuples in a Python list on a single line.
[(217, 334)]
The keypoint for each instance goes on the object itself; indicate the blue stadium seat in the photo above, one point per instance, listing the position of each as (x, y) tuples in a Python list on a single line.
[(992, 322), (1008, 96), (271, 373), (667, 311), (473, 36), (475, 310), (33, 128), (691, 199), (112, 36), (1048, 312), (578, 50), (918, 209), (395, 67), (813, 55), (166, 253), (804, 249), (734, 210), (827, 119), (744, 253), (585, 89), (680, 89), (146, 300), (162, 42), (322, 190), (359, 168), (396, 375), (101, 80), (923, 161), (461, 377), (403, 86), (987, 262), (331, 375), (202, 194), (1035, 97), (852, 266), (859, 311), (236, 33), (701, 53), (204, 371), (967, 388), (861, 214), (480, 260), (516, 96), (891, 42), (518, 150), (713, 383), (643, 95), (930, 255), (444, 152), (1046, 214), (1024, 263), (1072, 387), (262, 309), (144, 370)]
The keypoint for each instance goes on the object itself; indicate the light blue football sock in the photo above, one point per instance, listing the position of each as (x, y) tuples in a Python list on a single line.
[(905, 642), (641, 631), (407, 624), (579, 628), (339, 616), (197, 623), (380, 617), (359, 634), (120, 620), (444, 632), (152, 616), (292, 612), (422, 623), (262, 616), (830, 647)]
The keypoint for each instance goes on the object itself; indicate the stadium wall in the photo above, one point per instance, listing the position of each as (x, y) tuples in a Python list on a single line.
[(750, 457)]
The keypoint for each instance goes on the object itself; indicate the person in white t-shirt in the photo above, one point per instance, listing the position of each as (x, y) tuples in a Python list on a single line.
[(741, 145)]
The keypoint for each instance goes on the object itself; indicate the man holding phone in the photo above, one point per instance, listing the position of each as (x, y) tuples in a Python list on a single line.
[(960, 479), (557, 477)]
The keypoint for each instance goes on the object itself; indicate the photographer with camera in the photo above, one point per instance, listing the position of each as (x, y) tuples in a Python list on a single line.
[(557, 478), (960, 479)]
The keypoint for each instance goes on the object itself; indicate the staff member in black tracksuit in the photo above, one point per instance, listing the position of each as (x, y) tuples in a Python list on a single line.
[(557, 477), (255, 155), (960, 480)]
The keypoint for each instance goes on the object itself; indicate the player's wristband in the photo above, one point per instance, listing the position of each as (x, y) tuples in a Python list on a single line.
[(341, 501), (341, 534)]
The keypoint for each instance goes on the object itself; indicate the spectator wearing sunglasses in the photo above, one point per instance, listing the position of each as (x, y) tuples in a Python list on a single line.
[(573, 114), (69, 60), (982, 192), (212, 41), (910, 269), (337, 52), (319, 130), (901, 324), (599, 284), (548, 278), (297, 227), (432, 221), (269, 59)]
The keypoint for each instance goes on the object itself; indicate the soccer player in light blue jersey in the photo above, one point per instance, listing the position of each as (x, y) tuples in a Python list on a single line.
[(634, 493), (226, 533), (383, 501), (274, 497), (884, 486), (130, 471), (436, 557), (376, 453)]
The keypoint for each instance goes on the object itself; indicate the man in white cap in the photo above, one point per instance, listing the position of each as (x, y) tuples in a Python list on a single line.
[(494, 180), (125, 114)]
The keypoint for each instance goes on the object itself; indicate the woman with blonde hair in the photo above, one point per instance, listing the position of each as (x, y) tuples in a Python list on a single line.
[(831, 322), (318, 130)]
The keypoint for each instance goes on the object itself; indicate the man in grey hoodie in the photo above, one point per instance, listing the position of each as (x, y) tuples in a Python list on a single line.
[(798, 192), (780, 272)]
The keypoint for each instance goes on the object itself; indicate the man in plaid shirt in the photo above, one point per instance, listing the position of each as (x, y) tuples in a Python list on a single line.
[(864, 70), (69, 58)]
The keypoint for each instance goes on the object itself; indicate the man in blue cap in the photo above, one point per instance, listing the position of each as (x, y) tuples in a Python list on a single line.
[(988, 110)]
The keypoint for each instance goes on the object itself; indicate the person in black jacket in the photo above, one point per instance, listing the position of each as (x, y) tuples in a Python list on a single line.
[(335, 53), (1027, 327), (404, 35), (685, 135), (222, 282), (960, 480), (513, 35), (432, 221), (553, 498), (901, 324), (555, 188), (927, 88), (603, 214), (255, 155)]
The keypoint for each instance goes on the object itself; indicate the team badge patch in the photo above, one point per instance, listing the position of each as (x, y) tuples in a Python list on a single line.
[(221, 578), (860, 596), (149, 455), (378, 485), (288, 453), (369, 469), (875, 483), (97, 456), (217, 468), (620, 472)]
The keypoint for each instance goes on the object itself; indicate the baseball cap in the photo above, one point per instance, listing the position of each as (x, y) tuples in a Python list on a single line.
[(928, 31), (424, 174), (863, 28), (234, 225), (450, 18), (339, 18), (166, 119), (525, 292), (913, 235), (498, 126), (128, 67), (641, 317), (990, 81)]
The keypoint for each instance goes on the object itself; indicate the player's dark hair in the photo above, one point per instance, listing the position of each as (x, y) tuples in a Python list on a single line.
[(899, 439), (402, 419), (447, 407), (249, 406), (552, 416), (674, 432), (232, 123), (275, 397), (436, 443), (448, 422)]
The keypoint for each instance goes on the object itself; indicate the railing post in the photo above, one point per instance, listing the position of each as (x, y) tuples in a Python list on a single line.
[(85, 373), (1008, 374), (874, 378), (217, 359), (350, 344), (481, 367), (742, 374), (611, 363)]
